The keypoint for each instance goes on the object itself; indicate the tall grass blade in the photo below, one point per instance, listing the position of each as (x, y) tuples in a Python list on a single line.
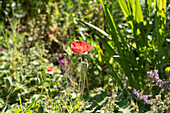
[(138, 13)]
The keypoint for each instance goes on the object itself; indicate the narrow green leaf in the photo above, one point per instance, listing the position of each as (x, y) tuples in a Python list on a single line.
[(138, 13), (124, 7), (155, 5), (111, 27), (133, 6), (104, 42), (126, 10), (148, 9), (97, 28), (160, 7), (164, 11)]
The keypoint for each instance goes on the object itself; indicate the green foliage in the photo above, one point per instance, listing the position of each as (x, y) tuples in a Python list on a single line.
[(37, 34), (138, 54)]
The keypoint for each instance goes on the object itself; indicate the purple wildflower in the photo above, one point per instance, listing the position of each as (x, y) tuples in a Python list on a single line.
[(155, 76), (19, 29), (141, 96), (147, 101), (157, 84), (145, 97), (135, 92), (78, 13), (62, 62)]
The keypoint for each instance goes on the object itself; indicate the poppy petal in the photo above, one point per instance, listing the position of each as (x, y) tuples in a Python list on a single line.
[(85, 44), (50, 68), (89, 48), (80, 47), (76, 47)]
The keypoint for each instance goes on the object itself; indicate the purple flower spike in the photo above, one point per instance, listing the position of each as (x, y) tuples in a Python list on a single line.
[(141, 96), (155, 76), (62, 62), (145, 97), (135, 92), (156, 83)]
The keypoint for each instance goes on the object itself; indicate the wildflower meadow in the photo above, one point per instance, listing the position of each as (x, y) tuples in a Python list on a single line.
[(85, 56)]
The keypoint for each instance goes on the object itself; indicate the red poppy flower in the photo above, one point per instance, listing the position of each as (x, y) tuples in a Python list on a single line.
[(50, 68), (80, 47)]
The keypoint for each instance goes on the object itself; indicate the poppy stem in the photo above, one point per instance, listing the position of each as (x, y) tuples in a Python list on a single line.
[(87, 84), (84, 75), (80, 79)]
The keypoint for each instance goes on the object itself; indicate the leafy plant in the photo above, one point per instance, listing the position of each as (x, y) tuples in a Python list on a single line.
[(138, 53)]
